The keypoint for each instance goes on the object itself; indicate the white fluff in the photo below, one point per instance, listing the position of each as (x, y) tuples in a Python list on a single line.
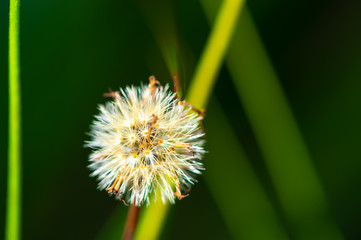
[(145, 141)]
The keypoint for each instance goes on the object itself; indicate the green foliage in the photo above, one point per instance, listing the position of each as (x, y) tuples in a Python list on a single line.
[(282, 122)]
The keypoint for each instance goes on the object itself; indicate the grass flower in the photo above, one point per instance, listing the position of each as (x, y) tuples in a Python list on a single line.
[(146, 140)]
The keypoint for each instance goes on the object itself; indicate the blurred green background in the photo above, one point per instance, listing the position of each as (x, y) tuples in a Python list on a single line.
[(73, 51)]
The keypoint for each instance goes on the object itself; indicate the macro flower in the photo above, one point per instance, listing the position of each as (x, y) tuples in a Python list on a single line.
[(146, 140)]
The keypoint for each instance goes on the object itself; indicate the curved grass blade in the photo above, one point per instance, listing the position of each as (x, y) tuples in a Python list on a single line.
[(204, 79), (13, 218), (152, 220), (213, 55)]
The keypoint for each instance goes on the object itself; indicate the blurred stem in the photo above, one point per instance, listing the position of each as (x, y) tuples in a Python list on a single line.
[(214, 52), (13, 218), (164, 33), (200, 90), (110, 229), (239, 194), (132, 221), (294, 176)]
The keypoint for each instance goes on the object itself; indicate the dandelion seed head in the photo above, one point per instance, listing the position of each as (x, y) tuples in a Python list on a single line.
[(146, 141)]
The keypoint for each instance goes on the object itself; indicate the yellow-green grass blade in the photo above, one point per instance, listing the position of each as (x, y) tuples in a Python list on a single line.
[(292, 171), (152, 220), (202, 83), (13, 210), (214, 52), (234, 185)]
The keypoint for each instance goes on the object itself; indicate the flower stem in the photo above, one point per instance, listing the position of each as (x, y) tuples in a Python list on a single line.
[(12, 231), (132, 221)]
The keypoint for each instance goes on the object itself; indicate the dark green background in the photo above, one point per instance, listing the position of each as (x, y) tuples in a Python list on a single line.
[(72, 51)]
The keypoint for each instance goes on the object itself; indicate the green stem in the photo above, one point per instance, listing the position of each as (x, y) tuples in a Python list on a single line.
[(154, 216), (152, 220), (13, 218)]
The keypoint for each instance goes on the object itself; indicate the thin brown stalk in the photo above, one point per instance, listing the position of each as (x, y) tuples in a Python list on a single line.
[(131, 224), (177, 85)]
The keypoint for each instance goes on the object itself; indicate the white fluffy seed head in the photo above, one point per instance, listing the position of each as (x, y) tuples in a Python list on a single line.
[(145, 141)]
